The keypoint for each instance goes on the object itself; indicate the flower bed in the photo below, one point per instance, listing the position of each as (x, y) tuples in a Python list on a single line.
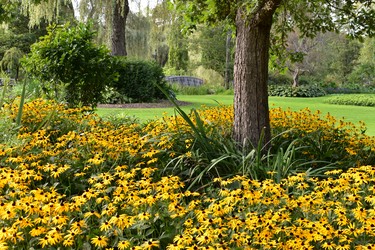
[(73, 181)]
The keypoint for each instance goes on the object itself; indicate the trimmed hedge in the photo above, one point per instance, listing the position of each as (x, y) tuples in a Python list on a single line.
[(138, 80), (357, 100), (299, 91), (351, 89)]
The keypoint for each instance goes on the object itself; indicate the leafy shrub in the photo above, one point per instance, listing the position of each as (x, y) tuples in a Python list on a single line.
[(279, 80), (112, 96), (350, 88), (69, 64), (138, 80), (354, 99), (299, 91), (363, 74), (32, 90)]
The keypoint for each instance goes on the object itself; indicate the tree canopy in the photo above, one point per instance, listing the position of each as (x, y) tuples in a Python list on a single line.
[(253, 21)]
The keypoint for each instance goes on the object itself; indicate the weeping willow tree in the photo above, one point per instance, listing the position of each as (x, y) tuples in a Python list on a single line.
[(11, 61), (45, 10), (161, 21), (138, 32), (112, 13), (48, 10), (111, 20)]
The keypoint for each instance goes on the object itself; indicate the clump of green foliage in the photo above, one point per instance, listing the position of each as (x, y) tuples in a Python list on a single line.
[(279, 80), (349, 88), (138, 80), (356, 100), (70, 65), (299, 91)]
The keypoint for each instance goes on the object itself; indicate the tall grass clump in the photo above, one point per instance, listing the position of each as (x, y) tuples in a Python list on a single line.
[(303, 141)]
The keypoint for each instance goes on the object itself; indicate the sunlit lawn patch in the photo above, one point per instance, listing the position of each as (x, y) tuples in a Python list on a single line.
[(72, 180)]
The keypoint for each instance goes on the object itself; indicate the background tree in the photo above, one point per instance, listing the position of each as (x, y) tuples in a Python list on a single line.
[(161, 20), (253, 21), (138, 36), (114, 12), (331, 59), (346, 53), (178, 57), (11, 62), (110, 17), (215, 47), (300, 55), (120, 11), (364, 71), (15, 35)]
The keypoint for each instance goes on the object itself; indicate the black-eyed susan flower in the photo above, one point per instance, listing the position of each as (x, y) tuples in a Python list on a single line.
[(150, 244), (92, 213), (99, 241), (124, 244), (105, 226)]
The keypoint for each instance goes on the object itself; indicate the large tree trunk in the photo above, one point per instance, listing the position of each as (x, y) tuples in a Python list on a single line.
[(119, 15), (251, 115)]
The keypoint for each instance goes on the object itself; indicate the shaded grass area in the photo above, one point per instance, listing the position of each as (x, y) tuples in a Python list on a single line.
[(145, 114), (349, 113)]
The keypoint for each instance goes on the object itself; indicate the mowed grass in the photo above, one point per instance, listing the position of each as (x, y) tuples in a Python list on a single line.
[(349, 113), (145, 114)]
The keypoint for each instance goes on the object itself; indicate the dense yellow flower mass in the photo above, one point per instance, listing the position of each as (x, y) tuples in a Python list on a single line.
[(73, 180)]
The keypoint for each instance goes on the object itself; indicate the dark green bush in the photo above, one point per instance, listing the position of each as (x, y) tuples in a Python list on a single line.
[(279, 80), (350, 88), (138, 80), (299, 91), (357, 100), (112, 96)]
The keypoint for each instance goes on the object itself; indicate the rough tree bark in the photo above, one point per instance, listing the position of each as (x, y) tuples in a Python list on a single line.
[(251, 74), (120, 13)]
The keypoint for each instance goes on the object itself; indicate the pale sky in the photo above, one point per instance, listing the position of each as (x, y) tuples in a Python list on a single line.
[(134, 4)]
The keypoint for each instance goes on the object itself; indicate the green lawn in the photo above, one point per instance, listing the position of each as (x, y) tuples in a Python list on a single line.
[(350, 113), (146, 114)]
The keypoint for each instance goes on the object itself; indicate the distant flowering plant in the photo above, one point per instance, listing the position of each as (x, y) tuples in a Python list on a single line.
[(324, 137)]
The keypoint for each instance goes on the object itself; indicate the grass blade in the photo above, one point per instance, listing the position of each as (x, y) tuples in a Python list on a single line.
[(22, 101)]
